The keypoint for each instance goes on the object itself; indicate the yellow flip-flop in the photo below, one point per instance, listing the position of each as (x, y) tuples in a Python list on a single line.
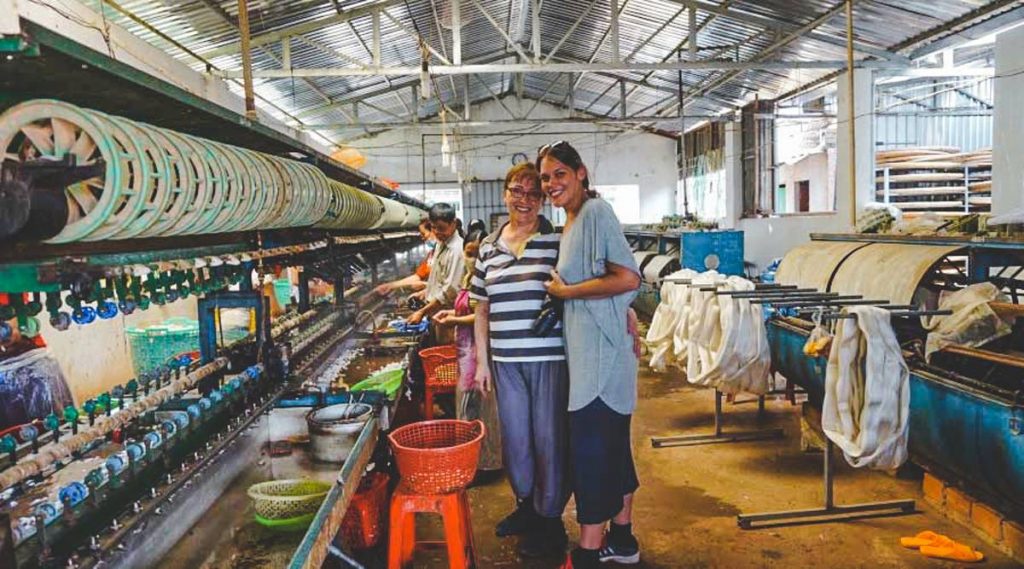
[(929, 538), (954, 552)]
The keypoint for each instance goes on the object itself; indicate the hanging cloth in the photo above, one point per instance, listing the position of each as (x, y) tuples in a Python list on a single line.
[(867, 391)]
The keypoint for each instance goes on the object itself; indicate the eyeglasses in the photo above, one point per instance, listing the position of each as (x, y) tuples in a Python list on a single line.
[(519, 193)]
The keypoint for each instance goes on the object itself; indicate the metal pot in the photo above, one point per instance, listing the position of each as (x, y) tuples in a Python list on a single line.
[(333, 430)]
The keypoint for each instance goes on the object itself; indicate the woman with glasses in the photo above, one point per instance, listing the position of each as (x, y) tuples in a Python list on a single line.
[(597, 278), (526, 367)]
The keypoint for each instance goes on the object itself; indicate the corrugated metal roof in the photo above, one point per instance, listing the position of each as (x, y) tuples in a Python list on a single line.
[(650, 31)]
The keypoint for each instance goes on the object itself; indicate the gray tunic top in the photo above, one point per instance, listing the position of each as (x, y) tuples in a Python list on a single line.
[(600, 350)]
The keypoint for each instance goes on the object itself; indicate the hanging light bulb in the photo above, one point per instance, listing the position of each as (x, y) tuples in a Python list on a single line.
[(424, 80)]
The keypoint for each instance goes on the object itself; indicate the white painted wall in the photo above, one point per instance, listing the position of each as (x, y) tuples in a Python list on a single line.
[(613, 156), (1008, 143), (769, 238), (814, 169), (863, 92)]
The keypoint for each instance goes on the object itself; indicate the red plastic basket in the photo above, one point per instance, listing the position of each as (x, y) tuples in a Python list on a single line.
[(437, 457), (366, 516), (440, 366)]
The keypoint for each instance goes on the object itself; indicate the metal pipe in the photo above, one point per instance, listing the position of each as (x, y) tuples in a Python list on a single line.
[(987, 355), (837, 316), (243, 28), (885, 306), (831, 301), (775, 292), (851, 114)]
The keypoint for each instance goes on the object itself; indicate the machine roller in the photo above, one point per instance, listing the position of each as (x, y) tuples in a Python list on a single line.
[(72, 174), (966, 404)]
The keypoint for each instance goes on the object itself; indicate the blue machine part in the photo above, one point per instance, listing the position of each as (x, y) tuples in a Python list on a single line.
[(169, 428), (368, 397), (50, 511), (73, 494), (205, 404), (153, 439), (193, 411), (701, 250), (116, 463), (28, 433), (179, 418), (235, 384), (216, 396), (768, 274), (961, 432), (106, 309), (97, 477), (967, 433), (83, 315), (136, 450)]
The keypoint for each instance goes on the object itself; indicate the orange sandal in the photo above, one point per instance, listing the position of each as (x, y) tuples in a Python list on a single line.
[(953, 552), (928, 538)]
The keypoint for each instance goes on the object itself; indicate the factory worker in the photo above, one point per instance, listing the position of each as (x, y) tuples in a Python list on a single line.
[(418, 280), (446, 272), (597, 277), (524, 365), (471, 402)]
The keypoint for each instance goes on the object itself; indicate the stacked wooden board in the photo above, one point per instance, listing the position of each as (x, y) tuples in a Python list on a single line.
[(936, 179)]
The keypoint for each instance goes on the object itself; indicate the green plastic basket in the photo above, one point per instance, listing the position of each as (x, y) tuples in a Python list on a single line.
[(288, 499), (298, 523), (152, 346)]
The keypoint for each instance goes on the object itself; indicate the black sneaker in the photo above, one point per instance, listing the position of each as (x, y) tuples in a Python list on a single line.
[(520, 521), (546, 539), (624, 550)]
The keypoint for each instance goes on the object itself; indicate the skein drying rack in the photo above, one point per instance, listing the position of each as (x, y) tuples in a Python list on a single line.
[(719, 435), (823, 304)]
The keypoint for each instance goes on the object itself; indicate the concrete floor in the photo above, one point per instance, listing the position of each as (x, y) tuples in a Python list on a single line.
[(686, 508)]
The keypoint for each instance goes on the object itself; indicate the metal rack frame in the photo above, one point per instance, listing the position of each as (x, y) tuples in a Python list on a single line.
[(829, 512)]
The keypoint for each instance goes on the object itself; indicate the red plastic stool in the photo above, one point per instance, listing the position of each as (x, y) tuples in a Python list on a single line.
[(441, 368), (458, 531)]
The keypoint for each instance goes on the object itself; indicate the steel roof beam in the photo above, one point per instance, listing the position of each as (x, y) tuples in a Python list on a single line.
[(298, 29), (783, 26), (776, 46), (574, 67), (691, 38), (572, 29), (519, 121), (419, 39), (494, 24)]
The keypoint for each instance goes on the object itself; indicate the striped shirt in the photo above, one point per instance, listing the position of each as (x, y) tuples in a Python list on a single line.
[(513, 285)]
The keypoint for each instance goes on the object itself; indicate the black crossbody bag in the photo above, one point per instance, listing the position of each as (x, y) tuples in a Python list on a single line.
[(549, 316)]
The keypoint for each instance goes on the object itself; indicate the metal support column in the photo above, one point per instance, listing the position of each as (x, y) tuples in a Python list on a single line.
[(719, 436), (830, 512)]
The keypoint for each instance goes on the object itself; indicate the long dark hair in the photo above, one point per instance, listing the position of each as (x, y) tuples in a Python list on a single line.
[(566, 154)]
